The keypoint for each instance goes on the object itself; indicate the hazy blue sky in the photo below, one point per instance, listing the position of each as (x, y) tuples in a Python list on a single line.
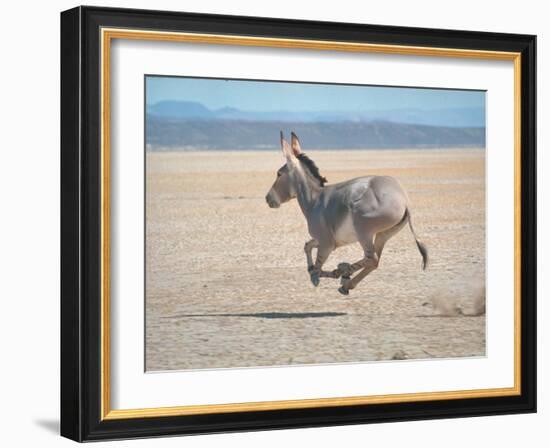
[(272, 96)]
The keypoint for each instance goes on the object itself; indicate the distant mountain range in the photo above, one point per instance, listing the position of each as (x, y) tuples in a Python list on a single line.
[(191, 125), (451, 117)]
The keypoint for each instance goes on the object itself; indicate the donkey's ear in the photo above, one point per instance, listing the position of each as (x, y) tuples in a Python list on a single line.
[(296, 148), (287, 150)]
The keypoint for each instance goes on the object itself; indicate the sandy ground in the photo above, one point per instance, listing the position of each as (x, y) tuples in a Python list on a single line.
[(226, 278)]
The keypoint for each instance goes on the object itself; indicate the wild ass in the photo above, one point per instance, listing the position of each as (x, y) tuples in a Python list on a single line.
[(369, 210)]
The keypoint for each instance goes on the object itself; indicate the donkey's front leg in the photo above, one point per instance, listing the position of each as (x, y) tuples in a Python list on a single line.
[(315, 271), (308, 249)]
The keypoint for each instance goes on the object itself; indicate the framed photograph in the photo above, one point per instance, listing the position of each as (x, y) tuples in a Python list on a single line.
[(274, 223)]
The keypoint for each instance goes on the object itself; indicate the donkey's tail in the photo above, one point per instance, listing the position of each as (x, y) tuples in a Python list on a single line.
[(421, 247)]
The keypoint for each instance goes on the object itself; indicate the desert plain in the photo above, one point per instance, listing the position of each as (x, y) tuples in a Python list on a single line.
[(226, 277)]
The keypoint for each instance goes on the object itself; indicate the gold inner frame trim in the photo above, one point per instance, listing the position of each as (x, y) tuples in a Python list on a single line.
[(107, 35)]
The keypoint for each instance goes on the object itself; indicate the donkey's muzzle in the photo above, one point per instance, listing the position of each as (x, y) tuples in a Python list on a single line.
[(272, 202)]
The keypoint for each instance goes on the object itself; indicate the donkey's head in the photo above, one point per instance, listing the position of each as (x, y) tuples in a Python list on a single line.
[(298, 166)]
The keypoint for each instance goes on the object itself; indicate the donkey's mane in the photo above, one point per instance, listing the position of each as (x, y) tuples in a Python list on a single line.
[(312, 168)]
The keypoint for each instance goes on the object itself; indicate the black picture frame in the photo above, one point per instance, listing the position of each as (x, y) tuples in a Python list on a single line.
[(81, 224)]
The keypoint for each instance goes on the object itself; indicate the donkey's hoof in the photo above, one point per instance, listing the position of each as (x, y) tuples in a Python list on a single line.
[(345, 269), (345, 283), (314, 277)]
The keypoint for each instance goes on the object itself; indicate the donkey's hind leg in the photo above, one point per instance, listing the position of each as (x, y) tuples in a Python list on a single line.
[(380, 240), (370, 253), (373, 253), (349, 284), (367, 264), (383, 237)]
